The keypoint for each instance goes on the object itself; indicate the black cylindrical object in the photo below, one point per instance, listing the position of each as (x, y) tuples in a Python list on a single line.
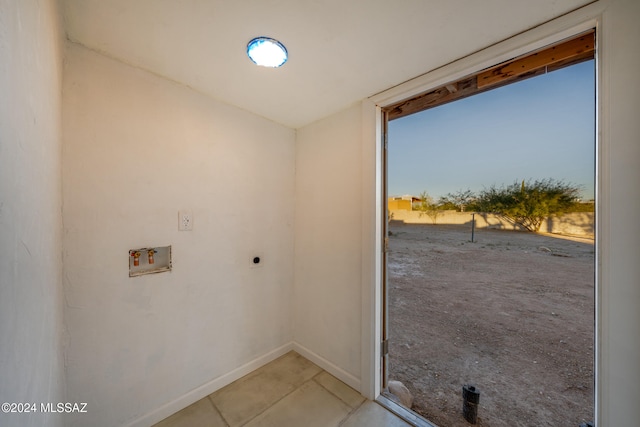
[(470, 400), (473, 225), (587, 424)]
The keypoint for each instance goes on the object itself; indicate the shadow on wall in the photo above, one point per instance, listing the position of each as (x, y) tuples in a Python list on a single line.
[(579, 224), (573, 224), (497, 222)]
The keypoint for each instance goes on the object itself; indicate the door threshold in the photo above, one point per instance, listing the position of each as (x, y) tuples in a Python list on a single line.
[(406, 414)]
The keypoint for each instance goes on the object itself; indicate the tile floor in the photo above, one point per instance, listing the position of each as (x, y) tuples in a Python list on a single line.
[(290, 391)]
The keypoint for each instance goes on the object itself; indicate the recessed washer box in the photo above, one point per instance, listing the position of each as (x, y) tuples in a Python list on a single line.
[(149, 260)]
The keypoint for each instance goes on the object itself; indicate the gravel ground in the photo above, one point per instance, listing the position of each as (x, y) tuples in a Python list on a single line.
[(512, 313)]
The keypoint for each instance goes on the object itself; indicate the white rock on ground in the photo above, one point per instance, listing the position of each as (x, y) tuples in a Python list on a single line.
[(401, 392)]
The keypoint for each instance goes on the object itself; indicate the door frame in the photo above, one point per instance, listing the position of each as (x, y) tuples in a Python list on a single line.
[(374, 180)]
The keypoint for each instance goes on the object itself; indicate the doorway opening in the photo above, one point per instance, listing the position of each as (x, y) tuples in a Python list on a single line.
[(472, 295)]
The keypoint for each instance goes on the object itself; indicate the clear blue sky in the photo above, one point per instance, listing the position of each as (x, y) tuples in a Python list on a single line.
[(543, 127)]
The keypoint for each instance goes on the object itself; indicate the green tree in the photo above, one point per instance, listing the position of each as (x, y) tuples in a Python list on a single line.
[(459, 200), (427, 206), (529, 203)]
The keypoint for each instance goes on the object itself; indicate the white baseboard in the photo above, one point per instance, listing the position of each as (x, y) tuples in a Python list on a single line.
[(193, 396), (334, 370)]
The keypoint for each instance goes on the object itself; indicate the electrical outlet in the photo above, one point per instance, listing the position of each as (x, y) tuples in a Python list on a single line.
[(185, 221)]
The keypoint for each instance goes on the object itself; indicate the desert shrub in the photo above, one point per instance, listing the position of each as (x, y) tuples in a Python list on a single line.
[(529, 203)]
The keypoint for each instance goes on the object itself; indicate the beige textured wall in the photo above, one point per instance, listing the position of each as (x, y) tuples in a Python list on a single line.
[(137, 149), (327, 295), (618, 269), (573, 224), (31, 333)]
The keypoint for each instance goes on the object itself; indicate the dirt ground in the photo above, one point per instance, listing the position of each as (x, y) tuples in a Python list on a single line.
[(512, 313)]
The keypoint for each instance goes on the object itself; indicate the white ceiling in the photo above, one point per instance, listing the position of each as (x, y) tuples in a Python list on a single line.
[(340, 51)]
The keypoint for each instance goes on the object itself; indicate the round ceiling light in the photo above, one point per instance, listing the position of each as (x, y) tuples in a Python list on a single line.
[(267, 52)]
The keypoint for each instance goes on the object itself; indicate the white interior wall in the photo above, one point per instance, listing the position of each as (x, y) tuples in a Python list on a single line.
[(327, 293), (31, 361), (618, 370), (619, 201), (130, 351), (137, 149)]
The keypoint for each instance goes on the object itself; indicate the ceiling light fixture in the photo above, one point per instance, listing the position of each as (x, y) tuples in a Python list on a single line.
[(267, 52)]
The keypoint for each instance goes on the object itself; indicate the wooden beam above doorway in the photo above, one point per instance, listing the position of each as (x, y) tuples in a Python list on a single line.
[(563, 54), (571, 51)]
